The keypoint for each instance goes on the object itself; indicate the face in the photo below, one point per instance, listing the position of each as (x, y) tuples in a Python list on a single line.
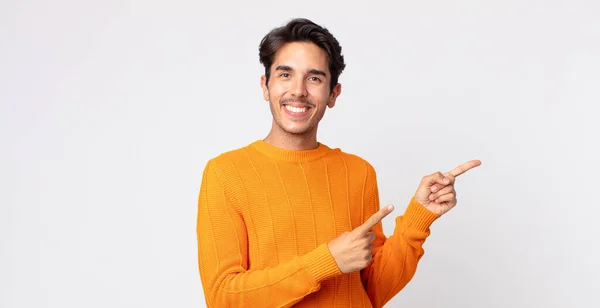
[(298, 88)]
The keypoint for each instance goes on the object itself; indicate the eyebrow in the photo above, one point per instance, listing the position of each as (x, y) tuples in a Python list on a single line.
[(289, 68)]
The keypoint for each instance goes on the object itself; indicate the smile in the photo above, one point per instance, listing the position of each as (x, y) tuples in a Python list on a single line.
[(296, 109)]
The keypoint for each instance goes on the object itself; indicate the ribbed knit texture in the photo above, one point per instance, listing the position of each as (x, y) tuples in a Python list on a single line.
[(265, 216)]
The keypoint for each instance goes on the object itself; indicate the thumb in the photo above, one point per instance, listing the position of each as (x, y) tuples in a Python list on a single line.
[(435, 178)]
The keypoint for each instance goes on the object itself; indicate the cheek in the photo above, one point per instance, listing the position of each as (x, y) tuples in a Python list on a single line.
[(275, 91), (319, 96)]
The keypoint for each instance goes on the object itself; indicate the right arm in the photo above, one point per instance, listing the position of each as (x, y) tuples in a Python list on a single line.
[(223, 257)]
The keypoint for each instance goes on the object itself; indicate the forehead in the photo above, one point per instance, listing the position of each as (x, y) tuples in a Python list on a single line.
[(301, 56)]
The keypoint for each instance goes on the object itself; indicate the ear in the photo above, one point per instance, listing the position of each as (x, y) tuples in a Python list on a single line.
[(265, 88), (337, 90)]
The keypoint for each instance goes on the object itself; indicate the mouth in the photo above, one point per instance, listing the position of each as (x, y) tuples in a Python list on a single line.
[(296, 111)]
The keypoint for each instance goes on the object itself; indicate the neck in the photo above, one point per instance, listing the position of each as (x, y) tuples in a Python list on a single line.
[(279, 138)]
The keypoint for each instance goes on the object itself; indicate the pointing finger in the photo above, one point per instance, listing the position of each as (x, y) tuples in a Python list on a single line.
[(464, 167), (374, 219)]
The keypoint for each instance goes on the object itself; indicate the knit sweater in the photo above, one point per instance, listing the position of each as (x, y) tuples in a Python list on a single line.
[(266, 214)]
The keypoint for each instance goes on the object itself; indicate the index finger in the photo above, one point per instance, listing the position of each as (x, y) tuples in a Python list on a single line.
[(464, 167), (374, 219)]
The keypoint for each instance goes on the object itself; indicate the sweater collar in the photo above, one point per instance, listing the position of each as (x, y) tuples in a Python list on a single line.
[(290, 155)]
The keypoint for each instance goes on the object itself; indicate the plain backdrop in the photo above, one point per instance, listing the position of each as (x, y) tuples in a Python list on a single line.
[(111, 109)]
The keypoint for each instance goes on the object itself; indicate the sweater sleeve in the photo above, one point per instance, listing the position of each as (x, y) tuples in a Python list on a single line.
[(395, 258), (224, 263)]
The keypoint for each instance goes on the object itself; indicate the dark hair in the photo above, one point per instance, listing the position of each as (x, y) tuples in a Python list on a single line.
[(302, 30)]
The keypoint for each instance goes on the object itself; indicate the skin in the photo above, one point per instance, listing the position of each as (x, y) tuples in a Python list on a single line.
[(300, 77)]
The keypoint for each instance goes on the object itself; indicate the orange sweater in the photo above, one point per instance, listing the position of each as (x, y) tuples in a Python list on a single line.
[(265, 216)]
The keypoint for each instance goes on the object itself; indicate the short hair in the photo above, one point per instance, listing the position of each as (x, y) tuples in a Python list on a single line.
[(302, 30)]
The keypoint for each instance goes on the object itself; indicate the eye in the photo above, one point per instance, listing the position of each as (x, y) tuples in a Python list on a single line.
[(284, 75), (315, 79)]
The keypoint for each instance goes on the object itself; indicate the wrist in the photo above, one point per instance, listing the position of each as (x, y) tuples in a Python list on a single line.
[(418, 216), (321, 263)]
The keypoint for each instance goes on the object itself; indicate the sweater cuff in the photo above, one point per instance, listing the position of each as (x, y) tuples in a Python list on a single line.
[(418, 217), (321, 264)]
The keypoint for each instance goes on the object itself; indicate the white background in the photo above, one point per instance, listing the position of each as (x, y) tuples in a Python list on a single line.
[(110, 110)]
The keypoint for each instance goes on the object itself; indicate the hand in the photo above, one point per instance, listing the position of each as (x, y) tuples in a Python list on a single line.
[(436, 191), (352, 250)]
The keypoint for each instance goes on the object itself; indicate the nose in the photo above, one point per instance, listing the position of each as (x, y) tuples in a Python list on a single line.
[(299, 88)]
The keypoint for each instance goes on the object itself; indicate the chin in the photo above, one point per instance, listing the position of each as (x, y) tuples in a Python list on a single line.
[(296, 129)]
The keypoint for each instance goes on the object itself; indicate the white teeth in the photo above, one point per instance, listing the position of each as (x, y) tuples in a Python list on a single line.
[(296, 109)]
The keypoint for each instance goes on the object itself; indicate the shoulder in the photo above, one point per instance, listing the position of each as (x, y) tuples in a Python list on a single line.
[(355, 162), (229, 156), (359, 171), (226, 161)]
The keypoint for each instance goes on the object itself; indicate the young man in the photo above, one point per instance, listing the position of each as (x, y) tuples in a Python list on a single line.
[(288, 221)]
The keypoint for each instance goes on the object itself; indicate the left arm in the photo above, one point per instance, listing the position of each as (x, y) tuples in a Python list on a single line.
[(395, 259)]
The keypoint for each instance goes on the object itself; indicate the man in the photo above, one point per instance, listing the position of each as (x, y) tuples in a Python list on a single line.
[(286, 220)]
